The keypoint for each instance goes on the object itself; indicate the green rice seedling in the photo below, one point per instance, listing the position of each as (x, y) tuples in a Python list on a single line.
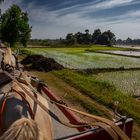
[(78, 59), (127, 81)]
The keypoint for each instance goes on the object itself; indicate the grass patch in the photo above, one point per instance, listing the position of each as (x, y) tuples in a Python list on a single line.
[(103, 48), (26, 51), (102, 92), (126, 81)]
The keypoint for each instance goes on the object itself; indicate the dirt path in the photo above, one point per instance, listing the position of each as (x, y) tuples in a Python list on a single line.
[(67, 93), (70, 95)]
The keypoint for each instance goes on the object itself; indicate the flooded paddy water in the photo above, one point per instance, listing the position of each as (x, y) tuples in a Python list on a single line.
[(128, 53)]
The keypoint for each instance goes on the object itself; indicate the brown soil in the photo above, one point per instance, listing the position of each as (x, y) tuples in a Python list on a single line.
[(67, 94), (41, 63)]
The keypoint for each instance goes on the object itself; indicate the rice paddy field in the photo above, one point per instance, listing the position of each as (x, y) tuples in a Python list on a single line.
[(128, 53), (79, 58), (127, 82)]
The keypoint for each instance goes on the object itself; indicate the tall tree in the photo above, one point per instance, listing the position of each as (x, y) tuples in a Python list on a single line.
[(14, 26), (87, 37), (79, 37), (96, 35), (109, 37), (103, 39), (70, 38), (128, 41)]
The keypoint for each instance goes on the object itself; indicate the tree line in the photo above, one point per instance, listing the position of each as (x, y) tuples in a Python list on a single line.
[(97, 37), (128, 41)]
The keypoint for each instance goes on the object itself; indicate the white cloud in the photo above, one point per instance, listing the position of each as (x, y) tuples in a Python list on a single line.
[(113, 3), (135, 13), (95, 6), (56, 24), (126, 29), (109, 4)]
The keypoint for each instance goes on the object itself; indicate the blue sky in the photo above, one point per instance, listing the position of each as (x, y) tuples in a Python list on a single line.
[(55, 18)]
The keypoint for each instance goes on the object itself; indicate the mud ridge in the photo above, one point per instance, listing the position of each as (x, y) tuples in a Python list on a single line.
[(41, 63)]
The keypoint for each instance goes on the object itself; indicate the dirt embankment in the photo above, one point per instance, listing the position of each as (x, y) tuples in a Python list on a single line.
[(41, 63)]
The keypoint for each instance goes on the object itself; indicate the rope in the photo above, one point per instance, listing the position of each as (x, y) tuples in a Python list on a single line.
[(107, 123)]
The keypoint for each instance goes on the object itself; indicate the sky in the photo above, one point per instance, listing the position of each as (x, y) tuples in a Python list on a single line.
[(55, 18)]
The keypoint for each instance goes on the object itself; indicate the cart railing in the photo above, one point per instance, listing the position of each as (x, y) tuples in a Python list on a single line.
[(88, 133)]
